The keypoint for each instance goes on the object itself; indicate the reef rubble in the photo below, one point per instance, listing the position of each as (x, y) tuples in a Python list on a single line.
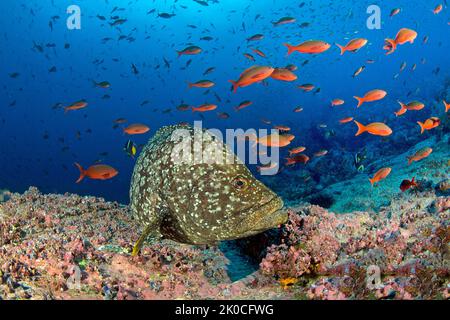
[(73, 247)]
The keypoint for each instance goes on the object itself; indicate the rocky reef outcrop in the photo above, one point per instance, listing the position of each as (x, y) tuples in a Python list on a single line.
[(73, 247), (356, 193)]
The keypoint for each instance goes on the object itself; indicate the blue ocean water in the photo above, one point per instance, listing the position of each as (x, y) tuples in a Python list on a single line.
[(45, 66)]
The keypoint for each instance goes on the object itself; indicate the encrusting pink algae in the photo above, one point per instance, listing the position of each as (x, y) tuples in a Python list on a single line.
[(73, 247)]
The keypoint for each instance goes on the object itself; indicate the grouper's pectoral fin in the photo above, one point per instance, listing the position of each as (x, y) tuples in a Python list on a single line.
[(151, 230), (145, 234)]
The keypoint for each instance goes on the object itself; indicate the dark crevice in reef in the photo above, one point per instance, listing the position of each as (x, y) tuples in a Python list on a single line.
[(322, 200), (241, 265), (246, 254)]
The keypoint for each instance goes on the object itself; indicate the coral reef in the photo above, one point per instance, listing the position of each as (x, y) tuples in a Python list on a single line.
[(432, 173), (4, 195), (73, 247), (407, 244)]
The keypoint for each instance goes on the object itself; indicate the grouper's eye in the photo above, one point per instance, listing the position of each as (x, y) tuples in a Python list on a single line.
[(240, 183)]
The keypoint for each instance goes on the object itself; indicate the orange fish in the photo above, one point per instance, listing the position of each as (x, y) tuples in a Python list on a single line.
[(291, 67), (267, 167), (183, 107), (414, 105), (376, 128), (243, 105), (371, 96), (353, 45), (288, 282), (252, 75), (201, 84), (284, 20), (136, 128), (259, 52), (429, 124), (306, 87), (311, 47), (400, 112), (447, 106), (76, 106), (380, 175), (191, 50), (298, 109), (395, 12), (403, 36), (300, 158), (358, 71), (223, 115), (97, 172), (296, 150), (419, 155), (406, 184), (321, 153), (249, 56), (205, 107), (346, 120), (438, 9), (275, 140), (256, 37), (120, 121), (337, 102), (282, 128), (283, 75)]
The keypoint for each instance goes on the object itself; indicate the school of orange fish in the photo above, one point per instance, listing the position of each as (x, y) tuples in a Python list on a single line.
[(261, 73)]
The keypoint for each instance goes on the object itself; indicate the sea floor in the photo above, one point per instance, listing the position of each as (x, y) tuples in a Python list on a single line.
[(73, 247)]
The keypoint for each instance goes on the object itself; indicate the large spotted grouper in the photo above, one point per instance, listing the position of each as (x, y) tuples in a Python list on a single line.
[(198, 197)]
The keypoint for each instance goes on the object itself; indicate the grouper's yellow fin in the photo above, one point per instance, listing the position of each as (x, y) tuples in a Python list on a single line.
[(137, 247)]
